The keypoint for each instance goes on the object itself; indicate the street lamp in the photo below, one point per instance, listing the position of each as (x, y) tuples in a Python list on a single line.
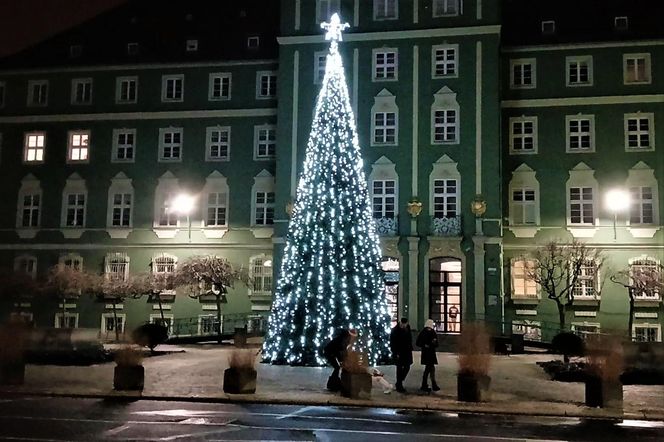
[(617, 200), (184, 204)]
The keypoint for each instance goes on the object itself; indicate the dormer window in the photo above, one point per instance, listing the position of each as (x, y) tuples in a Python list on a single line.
[(132, 48), (75, 51), (192, 45), (548, 27), (621, 23), (253, 42)]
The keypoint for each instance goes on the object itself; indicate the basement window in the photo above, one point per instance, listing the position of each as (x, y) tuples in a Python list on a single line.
[(253, 42), (548, 27), (621, 23)]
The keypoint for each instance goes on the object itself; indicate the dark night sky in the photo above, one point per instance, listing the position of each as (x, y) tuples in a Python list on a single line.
[(25, 22)]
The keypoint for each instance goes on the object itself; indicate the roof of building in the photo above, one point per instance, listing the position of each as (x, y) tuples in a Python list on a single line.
[(161, 29), (579, 21)]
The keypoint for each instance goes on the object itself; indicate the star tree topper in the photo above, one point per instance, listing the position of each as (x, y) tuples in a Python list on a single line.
[(334, 29)]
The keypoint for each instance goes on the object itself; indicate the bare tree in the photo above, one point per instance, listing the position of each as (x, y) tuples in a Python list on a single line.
[(640, 280), (116, 290), (559, 268), (65, 283), (210, 276)]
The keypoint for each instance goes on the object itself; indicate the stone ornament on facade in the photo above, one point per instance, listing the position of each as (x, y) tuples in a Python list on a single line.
[(386, 226), (448, 226), (414, 207), (478, 205)]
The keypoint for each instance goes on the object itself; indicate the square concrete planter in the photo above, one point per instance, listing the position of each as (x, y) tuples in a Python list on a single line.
[(355, 385), (604, 394), (240, 381), (12, 372), (128, 377), (473, 387)]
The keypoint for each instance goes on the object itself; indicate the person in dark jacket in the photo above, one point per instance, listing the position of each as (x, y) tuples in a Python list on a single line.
[(401, 344), (335, 353), (427, 340)]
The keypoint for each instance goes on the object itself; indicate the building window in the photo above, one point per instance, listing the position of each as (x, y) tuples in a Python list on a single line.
[(621, 23), (385, 9), (641, 205), (646, 333), (385, 65), (37, 93), (325, 9), (110, 323), (581, 204), (72, 261), (523, 73), (646, 268), (548, 27), (580, 134), (445, 61), (524, 207), (523, 285), (261, 275), (636, 68), (253, 42), (75, 210), (30, 209), (170, 144), (265, 142), (34, 147), (124, 145), (132, 48), (220, 86), (218, 143), (639, 132), (75, 51), (445, 126), (523, 135), (79, 146), (383, 198), (66, 320), (164, 264), (266, 85), (126, 90), (445, 8), (586, 284), (167, 216), (320, 61), (81, 91), (117, 266), (191, 45), (264, 208), (531, 330), (121, 216), (26, 265), (216, 209), (579, 71), (385, 128), (445, 198), (172, 88), (3, 88)]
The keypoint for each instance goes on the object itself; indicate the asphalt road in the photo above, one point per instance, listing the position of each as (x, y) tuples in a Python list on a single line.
[(67, 419)]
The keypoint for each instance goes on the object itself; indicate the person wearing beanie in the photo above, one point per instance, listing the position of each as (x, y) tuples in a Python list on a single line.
[(427, 340)]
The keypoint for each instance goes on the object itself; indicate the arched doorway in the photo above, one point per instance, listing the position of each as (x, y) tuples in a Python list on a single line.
[(445, 294), (390, 268)]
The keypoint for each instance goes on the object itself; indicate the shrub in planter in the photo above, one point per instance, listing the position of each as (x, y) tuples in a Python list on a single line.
[(473, 379), (605, 365), (12, 353), (129, 373), (150, 335), (568, 344), (240, 376), (355, 379)]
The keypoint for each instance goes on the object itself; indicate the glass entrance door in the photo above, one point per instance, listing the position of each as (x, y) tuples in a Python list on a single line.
[(445, 294), (390, 268)]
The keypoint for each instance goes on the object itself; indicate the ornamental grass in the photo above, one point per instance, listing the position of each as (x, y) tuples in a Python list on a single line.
[(128, 356), (474, 349), (242, 359), (604, 355)]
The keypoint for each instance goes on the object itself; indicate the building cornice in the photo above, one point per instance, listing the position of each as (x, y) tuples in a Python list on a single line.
[(395, 35), (582, 101), (572, 46), (165, 115)]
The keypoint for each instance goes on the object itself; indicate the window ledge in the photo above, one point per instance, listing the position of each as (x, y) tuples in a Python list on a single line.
[(72, 233), (643, 232), (641, 302), (118, 233), (587, 301), (165, 233), (582, 232), (215, 233), (27, 233), (525, 301), (524, 231), (262, 232)]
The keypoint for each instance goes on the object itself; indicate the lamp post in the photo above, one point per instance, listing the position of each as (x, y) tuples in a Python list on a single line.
[(617, 200), (184, 204)]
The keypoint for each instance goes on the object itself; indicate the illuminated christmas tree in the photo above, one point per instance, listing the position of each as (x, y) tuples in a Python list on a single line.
[(330, 276)]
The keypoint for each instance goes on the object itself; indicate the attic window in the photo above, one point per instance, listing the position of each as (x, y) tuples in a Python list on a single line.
[(132, 48), (192, 45), (621, 23), (548, 27), (75, 51), (253, 42)]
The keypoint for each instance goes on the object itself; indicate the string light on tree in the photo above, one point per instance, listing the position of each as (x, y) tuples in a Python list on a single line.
[(330, 275)]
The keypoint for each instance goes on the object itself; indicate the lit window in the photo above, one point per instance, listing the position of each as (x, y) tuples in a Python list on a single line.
[(385, 128), (216, 209), (581, 208), (586, 283), (172, 88), (523, 135), (580, 134), (523, 284), (641, 205), (121, 215), (75, 210), (445, 61), (385, 65), (170, 144), (445, 198), (124, 145), (266, 85), (443, 8), (265, 144), (220, 86), (79, 145), (445, 126), (34, 147), (579, 71), (636, 68), (117, 266), (37, 93), (385, 9), (126, 90), (522, 73), (524, 207), (638, 131), (261, 275), (81, 91), (646, 274), (218, 143), (325, 9), (383, 198), (167, 216), (264, 204)]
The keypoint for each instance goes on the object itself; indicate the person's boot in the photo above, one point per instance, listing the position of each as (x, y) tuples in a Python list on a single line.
[(399, 387), (425, 388), (435, 387)]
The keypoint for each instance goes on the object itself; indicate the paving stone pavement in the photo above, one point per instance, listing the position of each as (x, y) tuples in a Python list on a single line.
[(195, 372)]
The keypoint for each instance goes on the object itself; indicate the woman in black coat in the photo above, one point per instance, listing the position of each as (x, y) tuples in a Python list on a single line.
[(427, 340)]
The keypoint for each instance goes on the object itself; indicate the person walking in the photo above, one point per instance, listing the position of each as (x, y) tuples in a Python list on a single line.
[(335, 353), (427, 340), (401, 344)]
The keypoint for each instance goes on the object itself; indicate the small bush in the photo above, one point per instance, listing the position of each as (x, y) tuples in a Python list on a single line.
[(128, 357), (150, 335), (355, 362), (568, 344), (474, 349), (242, 359)]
